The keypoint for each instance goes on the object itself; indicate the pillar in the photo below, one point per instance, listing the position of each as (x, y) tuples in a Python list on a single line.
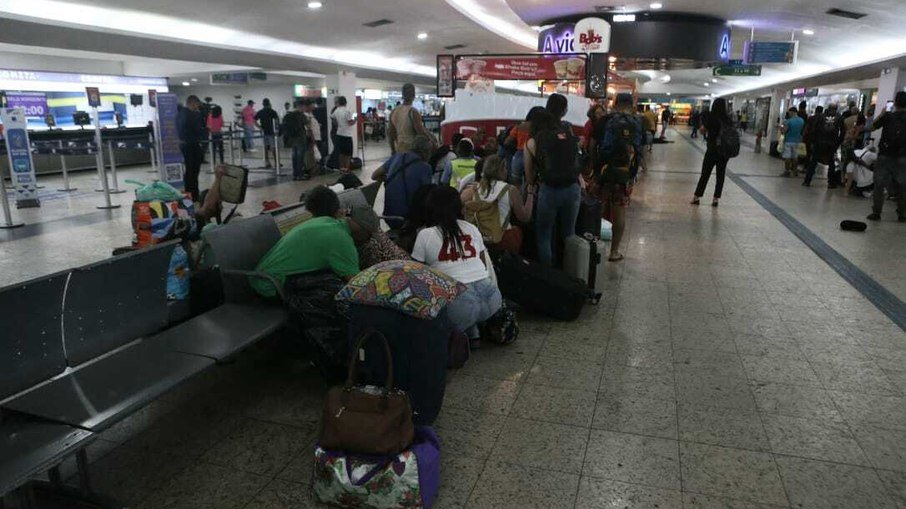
[(892, 80), (343, 83), (777, 96)]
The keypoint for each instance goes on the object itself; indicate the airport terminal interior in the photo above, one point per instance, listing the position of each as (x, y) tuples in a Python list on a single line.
[(496, 254)]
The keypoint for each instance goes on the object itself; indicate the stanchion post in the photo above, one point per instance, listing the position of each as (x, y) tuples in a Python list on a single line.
[(116, 183), (232, 154), (211, 146), (99, 157), (7, 213), (66, 188), (277, 169)]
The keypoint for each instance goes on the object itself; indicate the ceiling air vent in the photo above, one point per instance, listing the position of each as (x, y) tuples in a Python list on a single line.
[(454, 46), (378, 23), (846, 14)]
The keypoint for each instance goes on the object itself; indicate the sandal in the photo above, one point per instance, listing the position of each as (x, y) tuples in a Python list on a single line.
[(695, 202), (616, 258)]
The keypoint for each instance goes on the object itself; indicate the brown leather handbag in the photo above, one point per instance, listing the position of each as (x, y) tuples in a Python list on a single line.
[(365, 419)]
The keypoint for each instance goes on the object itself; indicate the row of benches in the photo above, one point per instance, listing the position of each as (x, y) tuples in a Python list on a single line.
[(82, 349), (86, 348)]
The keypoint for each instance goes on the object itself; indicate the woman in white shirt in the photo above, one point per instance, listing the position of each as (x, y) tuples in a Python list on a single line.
[(345, 122), (455, 247), (494, 187)]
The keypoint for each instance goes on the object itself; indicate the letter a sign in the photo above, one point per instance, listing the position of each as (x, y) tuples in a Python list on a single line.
[(724, 52)]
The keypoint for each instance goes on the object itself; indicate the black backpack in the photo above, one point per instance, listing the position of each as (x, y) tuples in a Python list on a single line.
[(728, 141), (556, 151), (617, 150), (293, 127), (828, 132), (893, 139)]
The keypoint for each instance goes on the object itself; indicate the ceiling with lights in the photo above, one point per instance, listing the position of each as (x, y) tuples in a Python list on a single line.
[(400, 39)]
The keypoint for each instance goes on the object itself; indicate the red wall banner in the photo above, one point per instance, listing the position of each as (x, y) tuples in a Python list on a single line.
[(521, 67)]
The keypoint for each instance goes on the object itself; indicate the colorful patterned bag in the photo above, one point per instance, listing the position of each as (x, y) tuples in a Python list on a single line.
[(410, 479), (159, 221), (406, 286)]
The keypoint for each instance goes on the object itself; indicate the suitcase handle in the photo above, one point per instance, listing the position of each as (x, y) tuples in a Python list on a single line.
[(594, 258)]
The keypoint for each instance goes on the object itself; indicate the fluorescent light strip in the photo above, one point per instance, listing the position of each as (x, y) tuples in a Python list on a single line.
[(167, 27)]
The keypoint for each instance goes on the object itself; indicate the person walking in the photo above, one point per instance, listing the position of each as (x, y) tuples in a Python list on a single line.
[(695, 120), (248, 127), (190, 126), (890, 168), (665, 120), (405, 123), (717, 120), (792, 137), (551, 171), (215, 127), (826, 136), (268, 120), (345, 122)]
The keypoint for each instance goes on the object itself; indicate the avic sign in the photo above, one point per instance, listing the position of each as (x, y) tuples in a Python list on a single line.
[(559, 38)]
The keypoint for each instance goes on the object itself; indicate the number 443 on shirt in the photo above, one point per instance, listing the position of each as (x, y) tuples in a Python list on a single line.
[(449, 253)]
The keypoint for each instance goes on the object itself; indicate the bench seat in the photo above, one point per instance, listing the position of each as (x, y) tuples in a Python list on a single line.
[(30, 447), (223, 331), (98, 394)]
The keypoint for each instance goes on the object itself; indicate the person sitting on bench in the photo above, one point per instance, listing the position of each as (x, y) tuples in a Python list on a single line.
[(325, 242)]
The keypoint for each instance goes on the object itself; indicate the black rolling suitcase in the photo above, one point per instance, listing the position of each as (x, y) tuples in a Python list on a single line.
[(541, 289), (419, 349), (589, 218)]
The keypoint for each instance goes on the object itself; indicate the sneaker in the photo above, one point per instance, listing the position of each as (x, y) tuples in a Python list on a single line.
[(874, 217)]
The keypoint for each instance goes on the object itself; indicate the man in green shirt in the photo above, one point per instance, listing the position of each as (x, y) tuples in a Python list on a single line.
[(324, 242)]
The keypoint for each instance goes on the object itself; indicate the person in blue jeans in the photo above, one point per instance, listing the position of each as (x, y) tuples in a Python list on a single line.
[(455, 247), (550, 167)]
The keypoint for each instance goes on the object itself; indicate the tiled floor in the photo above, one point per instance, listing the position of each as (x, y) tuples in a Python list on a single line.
[(727, 366)]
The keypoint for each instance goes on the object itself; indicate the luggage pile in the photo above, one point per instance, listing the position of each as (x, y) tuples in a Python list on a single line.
[(370, 453)]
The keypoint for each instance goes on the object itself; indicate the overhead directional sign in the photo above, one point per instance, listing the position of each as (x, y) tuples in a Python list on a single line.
[(763, 52), (737, 70)]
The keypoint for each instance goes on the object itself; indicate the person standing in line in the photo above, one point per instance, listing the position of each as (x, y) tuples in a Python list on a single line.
[(826, 137), (345, 122), (807, 136), (320, 113), (456, 170), (619, 138), (792, 129), (743, 120), (551, 171), (519, 136), (215, 127), (248, 126), (890, 168), (405, 123), (268, 120), (717, 120), (853, 125), (298, 137), (314, 128), (650, 126), (191, 129)]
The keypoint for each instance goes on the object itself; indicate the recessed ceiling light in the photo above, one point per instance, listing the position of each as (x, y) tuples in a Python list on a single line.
[(194, 80), (315, 5), (623, 18), (656, 5), (423, 35), (185, 83), (707, 84), (668, 93), (713, 80), (808, 31)]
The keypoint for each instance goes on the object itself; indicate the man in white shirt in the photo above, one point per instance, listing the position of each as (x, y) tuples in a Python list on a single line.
[(345, 122), (313, 124)]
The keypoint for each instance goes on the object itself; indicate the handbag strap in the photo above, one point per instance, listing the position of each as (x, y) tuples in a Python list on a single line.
[(364, 336)]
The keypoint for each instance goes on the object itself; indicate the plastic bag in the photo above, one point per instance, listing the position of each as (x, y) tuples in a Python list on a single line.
[(160, 191), (606, 230), (178, 275)]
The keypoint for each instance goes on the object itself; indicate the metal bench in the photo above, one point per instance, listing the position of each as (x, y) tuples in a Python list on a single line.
[(30, 353), (107, 308), (244, 318)]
